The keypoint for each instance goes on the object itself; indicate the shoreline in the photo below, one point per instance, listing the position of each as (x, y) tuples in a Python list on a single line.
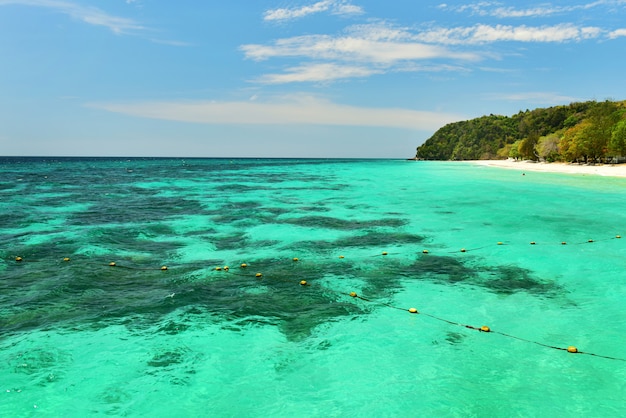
[(607, 170)]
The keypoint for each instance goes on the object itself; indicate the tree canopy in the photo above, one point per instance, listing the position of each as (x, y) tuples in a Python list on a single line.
[(583, 131)]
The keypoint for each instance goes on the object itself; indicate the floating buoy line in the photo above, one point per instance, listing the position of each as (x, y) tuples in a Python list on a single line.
[(412, 310), (486, 329)]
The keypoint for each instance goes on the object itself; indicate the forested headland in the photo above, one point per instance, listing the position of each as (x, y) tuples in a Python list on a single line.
[(587, 132)]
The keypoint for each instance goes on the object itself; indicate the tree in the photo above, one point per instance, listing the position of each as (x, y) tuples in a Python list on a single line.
[(602, 117), (514, 153), (527, 146), (548, 147), (571, 143), (583, 131), (505, 151), (617, 144)]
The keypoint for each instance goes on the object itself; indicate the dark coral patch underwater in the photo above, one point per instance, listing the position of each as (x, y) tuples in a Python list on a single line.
[(328, 222), (504, 280)]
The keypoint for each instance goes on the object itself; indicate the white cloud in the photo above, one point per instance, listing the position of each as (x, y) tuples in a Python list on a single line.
[(304, 110), (473, 8), (505, 12), (87, 14), (361, 51), (284, 14), (436, 68), (495, 9), (380, 31), (317, 73), (348, 9), (348, 48), (379, 47), (341, 7), (480, 34), (617, 33)]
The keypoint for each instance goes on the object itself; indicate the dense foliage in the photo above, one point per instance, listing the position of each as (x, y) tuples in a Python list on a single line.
[(588, 131)]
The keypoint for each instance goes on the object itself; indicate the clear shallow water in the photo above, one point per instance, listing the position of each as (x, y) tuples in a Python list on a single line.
[(82, 338)]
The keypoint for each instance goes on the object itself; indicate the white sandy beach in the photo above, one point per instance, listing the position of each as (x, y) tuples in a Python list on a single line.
[(611, 170)]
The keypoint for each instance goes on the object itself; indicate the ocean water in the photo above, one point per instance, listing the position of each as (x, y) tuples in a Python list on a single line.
[(79, 337)]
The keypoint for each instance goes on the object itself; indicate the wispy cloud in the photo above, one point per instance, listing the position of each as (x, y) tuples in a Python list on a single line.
[(334, 58), (379, 44), (481, 34), (340, 7), (323, 72), (431, 68), (379, 47), (301, 110), (495, 9), (87, 14), (350, 48)]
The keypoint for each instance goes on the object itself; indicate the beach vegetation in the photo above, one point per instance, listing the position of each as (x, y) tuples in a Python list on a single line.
[(547, 146), (617, 144), (583, 132)]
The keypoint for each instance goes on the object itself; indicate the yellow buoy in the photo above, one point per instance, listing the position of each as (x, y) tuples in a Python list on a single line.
[(499, 242), (303, 282), (425, 251), (532, 242), (18, 258), (244, 265), (341, 256), (163, 268), (563, 243), (296, 259), (218, 268), (226, 268), (463, 250), (572, 349), (353, 294), (413, 310), (112, 264), (66, 259), (384, 252), (590, 240), (485, 328), (618, 236), (259, 275)]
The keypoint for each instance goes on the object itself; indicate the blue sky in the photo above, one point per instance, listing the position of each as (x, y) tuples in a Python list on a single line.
[(282, 78)]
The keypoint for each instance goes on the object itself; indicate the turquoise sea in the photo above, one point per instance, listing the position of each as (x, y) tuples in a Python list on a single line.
[(80, 337)]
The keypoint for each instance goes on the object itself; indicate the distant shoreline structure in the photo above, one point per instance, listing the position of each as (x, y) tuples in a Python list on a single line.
[(607, 170)]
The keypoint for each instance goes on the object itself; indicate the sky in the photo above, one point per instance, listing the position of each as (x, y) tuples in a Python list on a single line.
[(283, 78)]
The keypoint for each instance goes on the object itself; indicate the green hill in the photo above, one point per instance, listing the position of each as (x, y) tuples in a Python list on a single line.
[(588, 131)]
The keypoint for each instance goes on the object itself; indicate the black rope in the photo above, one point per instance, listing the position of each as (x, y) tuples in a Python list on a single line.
[(244, 266), (486, 329)]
